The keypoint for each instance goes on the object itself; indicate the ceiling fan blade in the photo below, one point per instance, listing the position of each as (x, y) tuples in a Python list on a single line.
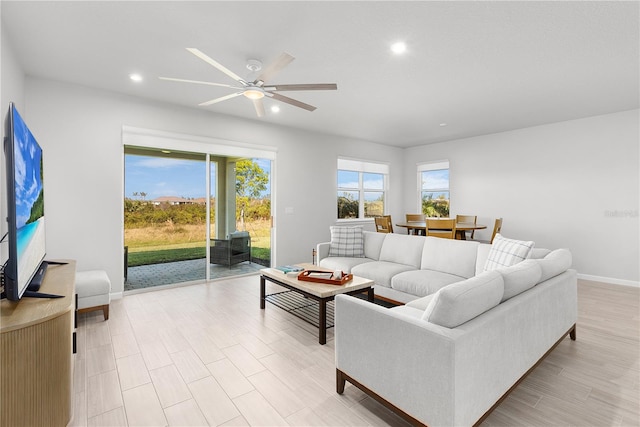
[(310, 86), (291, 101), (217, 65), (171, 79), (222, 98), (259, 105), (272, 69)]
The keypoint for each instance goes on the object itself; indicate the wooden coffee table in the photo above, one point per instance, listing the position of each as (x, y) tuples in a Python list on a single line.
[(301, 297)]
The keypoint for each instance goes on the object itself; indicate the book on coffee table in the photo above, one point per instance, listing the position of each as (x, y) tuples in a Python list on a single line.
[(290, 268)]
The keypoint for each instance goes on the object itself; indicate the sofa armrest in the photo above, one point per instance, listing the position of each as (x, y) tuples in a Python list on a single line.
[(322, 251), (405, 360)]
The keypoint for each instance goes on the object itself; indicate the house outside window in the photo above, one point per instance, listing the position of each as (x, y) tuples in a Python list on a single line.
[(362, 188), (433, 180)]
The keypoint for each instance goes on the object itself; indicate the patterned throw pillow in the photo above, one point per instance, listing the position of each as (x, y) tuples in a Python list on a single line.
[(505, 252), (347, 242)]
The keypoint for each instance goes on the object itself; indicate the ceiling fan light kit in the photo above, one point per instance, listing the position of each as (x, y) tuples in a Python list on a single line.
[(253, 93), (256, 90)]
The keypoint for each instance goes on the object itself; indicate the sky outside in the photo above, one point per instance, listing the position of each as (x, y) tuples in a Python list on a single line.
[(159, 177), (435, 180)]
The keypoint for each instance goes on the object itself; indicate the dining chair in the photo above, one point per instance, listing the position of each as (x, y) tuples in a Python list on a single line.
[(415, 218), (441, 227), (473, 219), (497, 227), (384, 224)]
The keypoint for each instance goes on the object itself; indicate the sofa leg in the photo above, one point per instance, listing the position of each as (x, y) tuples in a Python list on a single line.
[(104, 308), (340, 381), (572, 333)]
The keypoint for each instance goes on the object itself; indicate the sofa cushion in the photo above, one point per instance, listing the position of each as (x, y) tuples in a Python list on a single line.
[(538, 253), (423, 282), (460, 302), (347, 242), (558, 261), (373, 243), (505, 252), (406, 310), (481, 258), (402, 249), (450, 256), (420, 303), (520, 277), (380, 272), (344, 264)]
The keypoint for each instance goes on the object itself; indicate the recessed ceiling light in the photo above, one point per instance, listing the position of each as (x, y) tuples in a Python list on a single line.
[(399, 47), (135, 77), (166, 151), (275, 109), (442, 125)]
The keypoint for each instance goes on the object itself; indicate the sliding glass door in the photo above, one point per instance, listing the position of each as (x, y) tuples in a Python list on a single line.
[(165, 217), (180, 207)]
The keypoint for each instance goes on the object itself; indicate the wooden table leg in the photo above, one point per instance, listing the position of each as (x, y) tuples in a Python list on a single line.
[(370, 295), (322, 334), (262, 292)]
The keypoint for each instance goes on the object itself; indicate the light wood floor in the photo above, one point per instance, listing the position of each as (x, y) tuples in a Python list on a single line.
[(207, 355)]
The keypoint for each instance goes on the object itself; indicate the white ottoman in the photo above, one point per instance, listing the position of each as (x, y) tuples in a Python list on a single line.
[(94, 291)]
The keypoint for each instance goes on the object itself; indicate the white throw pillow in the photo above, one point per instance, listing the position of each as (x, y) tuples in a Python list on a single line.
[(460, 302), (347, 242), (506, 252), (520, 277)]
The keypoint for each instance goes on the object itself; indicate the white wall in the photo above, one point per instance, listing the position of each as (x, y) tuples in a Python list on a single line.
[(80, 132), (11, 90), (572, 184), (11, 77)]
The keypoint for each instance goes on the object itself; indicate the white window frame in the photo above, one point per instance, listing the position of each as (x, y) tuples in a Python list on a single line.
[(362, 166), (432, 166)]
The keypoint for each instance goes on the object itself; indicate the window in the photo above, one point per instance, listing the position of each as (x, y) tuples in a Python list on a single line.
[(433, 179), (362, 189)]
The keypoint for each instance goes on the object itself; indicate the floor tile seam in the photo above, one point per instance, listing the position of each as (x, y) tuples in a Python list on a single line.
[(266, 398), (155, 387)]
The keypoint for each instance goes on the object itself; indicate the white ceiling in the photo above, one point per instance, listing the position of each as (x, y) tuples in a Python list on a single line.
[(480, 67)]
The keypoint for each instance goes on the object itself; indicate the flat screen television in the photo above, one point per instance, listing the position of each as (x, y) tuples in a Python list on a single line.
[(24, 269)]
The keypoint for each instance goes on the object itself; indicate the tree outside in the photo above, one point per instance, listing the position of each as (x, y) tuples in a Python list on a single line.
[(435, 207), (348, 205), (251, 182)]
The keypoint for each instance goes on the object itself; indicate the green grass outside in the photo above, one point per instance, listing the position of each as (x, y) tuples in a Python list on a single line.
[(180, 254)]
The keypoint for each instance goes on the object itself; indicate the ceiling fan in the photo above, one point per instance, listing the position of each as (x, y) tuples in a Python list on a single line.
[(256, 90)]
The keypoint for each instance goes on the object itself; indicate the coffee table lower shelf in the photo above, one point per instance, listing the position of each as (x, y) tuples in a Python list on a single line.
[(311, 302), (302, 307)]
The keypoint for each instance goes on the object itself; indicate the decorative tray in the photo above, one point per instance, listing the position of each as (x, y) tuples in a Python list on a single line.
[(321, 276)]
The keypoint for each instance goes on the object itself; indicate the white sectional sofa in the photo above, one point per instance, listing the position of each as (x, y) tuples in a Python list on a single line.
[(406, 267), (465, 336)]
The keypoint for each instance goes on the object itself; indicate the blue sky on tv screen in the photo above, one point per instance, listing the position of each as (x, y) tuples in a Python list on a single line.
[(27, 157)]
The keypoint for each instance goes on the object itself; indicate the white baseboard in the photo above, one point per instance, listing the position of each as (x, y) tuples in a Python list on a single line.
[(611, 280), (117, 295)]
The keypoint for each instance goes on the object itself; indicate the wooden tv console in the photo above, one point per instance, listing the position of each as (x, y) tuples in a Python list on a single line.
[(36, 354)]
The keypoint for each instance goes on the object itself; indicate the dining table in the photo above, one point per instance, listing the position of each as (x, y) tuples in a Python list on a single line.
[(461, 227)]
